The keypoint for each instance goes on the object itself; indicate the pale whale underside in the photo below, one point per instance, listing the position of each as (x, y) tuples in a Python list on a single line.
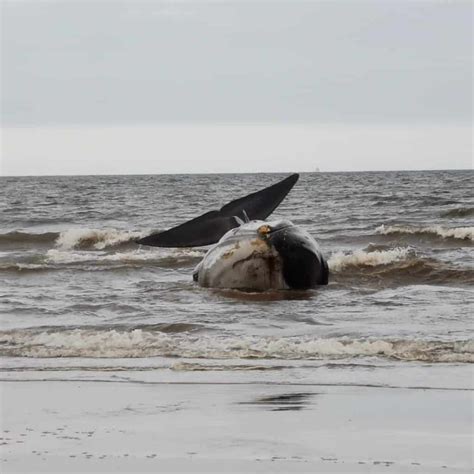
[(211, 226), (263, 255)]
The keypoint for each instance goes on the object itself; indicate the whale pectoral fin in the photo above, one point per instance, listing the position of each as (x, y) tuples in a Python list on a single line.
[(210, 227)]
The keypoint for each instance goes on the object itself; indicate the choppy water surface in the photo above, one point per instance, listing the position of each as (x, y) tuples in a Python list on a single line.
[(80, 299)]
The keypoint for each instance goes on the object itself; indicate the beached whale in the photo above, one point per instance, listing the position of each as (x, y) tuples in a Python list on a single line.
[(261, 255), (249, 252)]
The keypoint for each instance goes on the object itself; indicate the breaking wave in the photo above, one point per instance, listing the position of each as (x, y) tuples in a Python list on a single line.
[(24, 267), (57, 259), (460, 233), (398, 266), (85, 239), (97, 239), (163, 256), (361, 258), (138, 343)]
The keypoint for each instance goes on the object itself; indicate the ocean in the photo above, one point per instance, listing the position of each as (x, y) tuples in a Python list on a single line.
[(80, 300)]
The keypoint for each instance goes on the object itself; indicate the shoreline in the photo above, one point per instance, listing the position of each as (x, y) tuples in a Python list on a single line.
[(242, 383)]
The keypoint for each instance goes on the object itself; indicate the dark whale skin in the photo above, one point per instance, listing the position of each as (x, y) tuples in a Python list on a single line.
[(304, 266), (208, 228)]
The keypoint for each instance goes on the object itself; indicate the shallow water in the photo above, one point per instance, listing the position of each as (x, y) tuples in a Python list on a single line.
[(80, 299)]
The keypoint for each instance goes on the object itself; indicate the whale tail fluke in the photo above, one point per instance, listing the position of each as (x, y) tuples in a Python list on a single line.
[(211, 226)]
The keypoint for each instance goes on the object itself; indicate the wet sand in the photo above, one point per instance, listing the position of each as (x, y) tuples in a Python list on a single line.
[(67, 426)]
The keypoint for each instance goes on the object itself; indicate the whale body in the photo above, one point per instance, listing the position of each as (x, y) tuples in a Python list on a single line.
[(261, 255), (249, 252)]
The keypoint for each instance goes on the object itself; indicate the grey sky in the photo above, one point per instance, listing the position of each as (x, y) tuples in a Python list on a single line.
[(115, 63), (118, 87)]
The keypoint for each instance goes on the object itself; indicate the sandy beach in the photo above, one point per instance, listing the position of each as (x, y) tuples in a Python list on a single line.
[(60, 426)]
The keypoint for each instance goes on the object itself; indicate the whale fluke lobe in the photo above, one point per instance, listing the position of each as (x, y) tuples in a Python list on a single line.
[(261, 204), (210, 227), (203, 230)]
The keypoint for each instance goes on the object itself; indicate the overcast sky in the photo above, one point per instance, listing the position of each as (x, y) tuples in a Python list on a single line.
[(89, 68)]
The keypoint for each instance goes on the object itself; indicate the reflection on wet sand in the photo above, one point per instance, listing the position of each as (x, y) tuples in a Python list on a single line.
[(284, 402)]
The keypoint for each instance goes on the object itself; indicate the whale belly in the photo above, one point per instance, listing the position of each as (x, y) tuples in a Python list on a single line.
[(249, 264)]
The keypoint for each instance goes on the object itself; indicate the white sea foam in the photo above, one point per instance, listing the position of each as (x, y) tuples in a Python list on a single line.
[(145, 343), (29, 266), (339, 260), (462, 233), (91, 245), (133, 256), (95, 238), (23, 266)]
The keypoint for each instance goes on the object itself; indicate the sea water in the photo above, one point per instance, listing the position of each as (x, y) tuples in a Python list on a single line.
[(80, 300)]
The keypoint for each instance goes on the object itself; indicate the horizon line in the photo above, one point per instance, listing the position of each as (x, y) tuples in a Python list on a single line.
[(231, 173)]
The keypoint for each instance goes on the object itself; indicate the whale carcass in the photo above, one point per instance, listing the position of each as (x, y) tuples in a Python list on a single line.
[(248, 252)]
